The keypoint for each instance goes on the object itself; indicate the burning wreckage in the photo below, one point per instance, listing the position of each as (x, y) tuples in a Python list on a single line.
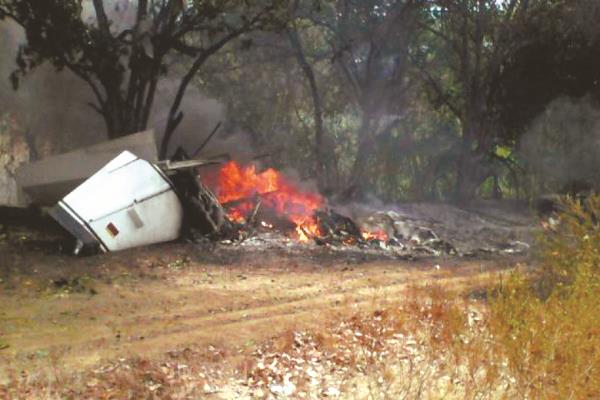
[(121, 196)]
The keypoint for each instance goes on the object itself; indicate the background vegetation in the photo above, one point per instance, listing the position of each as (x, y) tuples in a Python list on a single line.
[(404, 99), (548, 329)]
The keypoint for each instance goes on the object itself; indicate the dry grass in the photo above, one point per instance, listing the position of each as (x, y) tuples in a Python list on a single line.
[(179, 375), (549, 329), (426, 346), (533, 336), (433, 345)]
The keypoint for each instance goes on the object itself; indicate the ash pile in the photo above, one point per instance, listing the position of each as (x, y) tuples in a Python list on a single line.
[(404, 232), (335, 232), (118, 195)]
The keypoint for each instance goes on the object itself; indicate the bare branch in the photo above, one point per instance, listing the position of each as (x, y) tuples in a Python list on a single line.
[(183, 48), (175, 116), (103, 23), (82, 75), (443, 97)]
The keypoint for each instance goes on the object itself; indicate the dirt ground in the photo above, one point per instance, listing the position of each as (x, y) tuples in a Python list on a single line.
[(71, 314)]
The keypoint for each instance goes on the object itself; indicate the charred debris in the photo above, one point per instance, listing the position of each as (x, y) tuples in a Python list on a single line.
[(118, 195)]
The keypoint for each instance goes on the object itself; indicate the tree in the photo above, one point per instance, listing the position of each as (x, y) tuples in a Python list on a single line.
[(559, 57), (549, 94), (338, 85), (286, 74), (326, 163), (123, 66), (370, 44), (462, 67)]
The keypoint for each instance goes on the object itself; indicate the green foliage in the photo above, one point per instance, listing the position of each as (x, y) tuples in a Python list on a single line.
[(560, 36), (122, 58), (420, 99), (549, 332)]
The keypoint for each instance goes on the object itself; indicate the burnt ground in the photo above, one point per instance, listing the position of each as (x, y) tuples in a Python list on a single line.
[(63, 314)]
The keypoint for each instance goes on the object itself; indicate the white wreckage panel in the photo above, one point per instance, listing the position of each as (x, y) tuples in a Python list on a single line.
[(46, 181), (128, 203)]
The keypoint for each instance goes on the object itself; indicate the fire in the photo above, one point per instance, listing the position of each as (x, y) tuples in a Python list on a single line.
[(375, 235), (236, 183)]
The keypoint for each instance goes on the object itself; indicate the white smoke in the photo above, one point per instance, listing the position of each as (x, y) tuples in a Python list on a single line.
[(53, 106), (49, 106), (562, 145), (53, 115)]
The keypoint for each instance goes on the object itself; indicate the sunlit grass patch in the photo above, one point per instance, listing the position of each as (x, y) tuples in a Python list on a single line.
[(549, 329)]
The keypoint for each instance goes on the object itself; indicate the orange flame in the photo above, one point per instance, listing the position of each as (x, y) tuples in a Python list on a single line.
[(375, 235), (237, 183)]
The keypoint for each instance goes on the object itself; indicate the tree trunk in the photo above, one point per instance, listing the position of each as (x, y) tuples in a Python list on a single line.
[(326, 164), (468, 180), (472, 170), (119, 122), (366, 144), (369, 132)]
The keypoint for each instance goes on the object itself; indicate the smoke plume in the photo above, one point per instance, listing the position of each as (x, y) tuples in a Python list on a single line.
[(563, 143), (52, 107)]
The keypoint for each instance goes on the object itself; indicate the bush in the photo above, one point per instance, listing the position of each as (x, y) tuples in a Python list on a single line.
[(549, 331)]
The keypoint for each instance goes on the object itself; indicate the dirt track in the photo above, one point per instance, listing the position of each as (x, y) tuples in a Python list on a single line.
[(75, 313)]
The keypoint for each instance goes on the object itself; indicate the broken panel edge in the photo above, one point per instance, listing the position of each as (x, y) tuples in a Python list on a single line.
[(77, 227)]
